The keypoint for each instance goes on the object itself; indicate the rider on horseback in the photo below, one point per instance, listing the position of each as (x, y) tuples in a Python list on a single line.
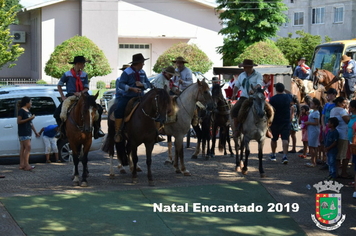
[(349, 73), (244, 81), (132, 83), (302, 71), (76, 82)]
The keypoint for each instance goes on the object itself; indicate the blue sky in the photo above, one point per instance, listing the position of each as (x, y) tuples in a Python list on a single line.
[(27, 3)]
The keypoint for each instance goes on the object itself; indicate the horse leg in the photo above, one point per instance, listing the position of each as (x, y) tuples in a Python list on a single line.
[(85, 169), (134, 160), (179, 153), (203, 146), (208, 150), (247, 153), (213, 140), (121, 168), (237, 149), (228, 141), (260, 155), (149, 148), (76, 162), (199, 136), (112, 174), (170, 156)]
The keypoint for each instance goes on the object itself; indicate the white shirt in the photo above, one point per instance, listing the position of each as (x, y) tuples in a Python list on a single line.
[(161, 81), (254, 79), (339, 112), (186, 75)]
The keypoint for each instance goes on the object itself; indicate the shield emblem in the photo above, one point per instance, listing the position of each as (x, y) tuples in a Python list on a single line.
[(328, 207)]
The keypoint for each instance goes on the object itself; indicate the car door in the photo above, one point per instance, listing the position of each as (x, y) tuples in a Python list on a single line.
[(9, 140), (43, 108)]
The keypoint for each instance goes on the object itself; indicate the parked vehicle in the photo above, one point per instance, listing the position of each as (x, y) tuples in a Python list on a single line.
[(107, 96), (45, 99)]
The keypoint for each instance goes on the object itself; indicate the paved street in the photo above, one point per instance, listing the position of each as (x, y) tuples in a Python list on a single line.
[(285, 183)]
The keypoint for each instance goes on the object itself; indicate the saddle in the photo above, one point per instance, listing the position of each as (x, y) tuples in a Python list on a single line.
[(68, 105), (131, 107)]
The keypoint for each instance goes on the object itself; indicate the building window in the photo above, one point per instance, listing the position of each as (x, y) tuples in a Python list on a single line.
[(135, 46), (318, 15), (298, 18), (338, 14), (291, 1)]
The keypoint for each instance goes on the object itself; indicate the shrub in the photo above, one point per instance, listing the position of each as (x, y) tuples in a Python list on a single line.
[(113, 84), (264, 52), (100, 84), (77, 46), (196, 58), (41, 82)]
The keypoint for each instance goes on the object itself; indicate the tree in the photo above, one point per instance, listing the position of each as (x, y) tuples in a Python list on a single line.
[(8, 52), (301, 46), (264, 52), (10, 3), (197, 60), (77, 46), (247, 22)]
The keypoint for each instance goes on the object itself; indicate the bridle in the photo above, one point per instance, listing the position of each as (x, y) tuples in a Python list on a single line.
[(157, 113), (79, 127)]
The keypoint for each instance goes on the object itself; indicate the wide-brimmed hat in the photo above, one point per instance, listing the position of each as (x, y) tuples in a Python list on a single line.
[(345, 58), (180, 59), (124, 67), (137, 58), (170, 70), (78, 59), (247, 63), (215, 79)]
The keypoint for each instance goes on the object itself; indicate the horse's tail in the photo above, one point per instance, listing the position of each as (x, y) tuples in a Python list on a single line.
[(222, 139), (109, 142)]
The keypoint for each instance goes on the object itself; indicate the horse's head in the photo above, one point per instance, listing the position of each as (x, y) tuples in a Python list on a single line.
[(87, 108), (259, 101), (204, 95), (318, 78), (217, 93), (157, 104)]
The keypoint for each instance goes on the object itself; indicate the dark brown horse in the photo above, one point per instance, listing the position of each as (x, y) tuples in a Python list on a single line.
[(328, 80), (221, 119), (79, 129), (141, 128)]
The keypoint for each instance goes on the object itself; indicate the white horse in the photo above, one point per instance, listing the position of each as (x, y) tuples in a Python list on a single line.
[(184, 112)]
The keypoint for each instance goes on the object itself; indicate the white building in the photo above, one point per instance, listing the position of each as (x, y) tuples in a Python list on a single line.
[(120, 28)]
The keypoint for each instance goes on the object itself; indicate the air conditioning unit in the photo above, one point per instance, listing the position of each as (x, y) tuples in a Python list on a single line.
[(19, 37)]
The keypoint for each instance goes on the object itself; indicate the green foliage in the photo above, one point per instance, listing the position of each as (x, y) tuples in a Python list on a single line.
[(41, 82), (263, 53), (247, 22), (113, 84), (100, 84), (196, 58), (8, 52), (9, 4), (77, 46), (303, 45)]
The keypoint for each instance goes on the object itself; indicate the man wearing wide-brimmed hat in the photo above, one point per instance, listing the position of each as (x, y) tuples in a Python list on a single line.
[(302, 71), (118, 90), (244, 81), (133, 81), (348, 71), (165, 78), (185, 75), (76, 81)]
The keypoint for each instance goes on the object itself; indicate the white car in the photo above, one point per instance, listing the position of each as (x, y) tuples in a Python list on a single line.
[(45, 99)]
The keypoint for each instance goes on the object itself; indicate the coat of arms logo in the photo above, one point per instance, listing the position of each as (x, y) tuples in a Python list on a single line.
[(328, 205)]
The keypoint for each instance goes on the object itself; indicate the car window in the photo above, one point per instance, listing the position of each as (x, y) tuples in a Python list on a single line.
[(7, 108), (42, 106)]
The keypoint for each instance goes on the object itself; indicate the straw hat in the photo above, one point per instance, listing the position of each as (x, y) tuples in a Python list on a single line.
[(345, 58)]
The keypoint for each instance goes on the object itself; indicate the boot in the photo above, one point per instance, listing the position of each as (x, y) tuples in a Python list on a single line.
[(118, 137), (98, 133), (159, 138)]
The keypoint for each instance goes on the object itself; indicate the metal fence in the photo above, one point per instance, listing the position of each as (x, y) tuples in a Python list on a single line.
[(15, 81)]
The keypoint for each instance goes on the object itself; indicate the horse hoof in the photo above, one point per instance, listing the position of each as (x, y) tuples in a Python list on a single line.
[(75, 183), (84, 184), (151, 183), (168, 163), (263, 175), (244, 172), (238, 169), (186, 173), (212, 155), (194, 157), (122, 171), (112, 176), (134, 180)]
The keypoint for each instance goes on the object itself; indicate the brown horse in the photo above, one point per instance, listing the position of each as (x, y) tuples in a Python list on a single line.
[(79, 129), (297, 88), (328, 80), (221, 118), (141, 128)]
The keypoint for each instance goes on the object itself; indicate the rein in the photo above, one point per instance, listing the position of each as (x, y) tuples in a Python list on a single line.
[(196, 99), (157, 114), (81, 128)]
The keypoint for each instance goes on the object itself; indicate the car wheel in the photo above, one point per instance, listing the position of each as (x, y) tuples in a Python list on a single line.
[(64, 151)]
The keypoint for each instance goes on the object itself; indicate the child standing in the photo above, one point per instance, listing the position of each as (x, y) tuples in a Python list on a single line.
[(331, 140), (303, 119), (294, 117), (330, 96), (50, 141), (313, 130)]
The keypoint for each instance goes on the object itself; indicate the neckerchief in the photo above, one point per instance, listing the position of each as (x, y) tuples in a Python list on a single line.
[(165, 76), (137, 74), (345, 65), (78, 82), (306, 67)]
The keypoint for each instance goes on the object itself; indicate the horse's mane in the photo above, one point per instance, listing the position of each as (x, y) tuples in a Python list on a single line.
[(90, 100), (162, 94)]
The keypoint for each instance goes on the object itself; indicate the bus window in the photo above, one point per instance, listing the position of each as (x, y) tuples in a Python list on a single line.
[(328, 58)]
